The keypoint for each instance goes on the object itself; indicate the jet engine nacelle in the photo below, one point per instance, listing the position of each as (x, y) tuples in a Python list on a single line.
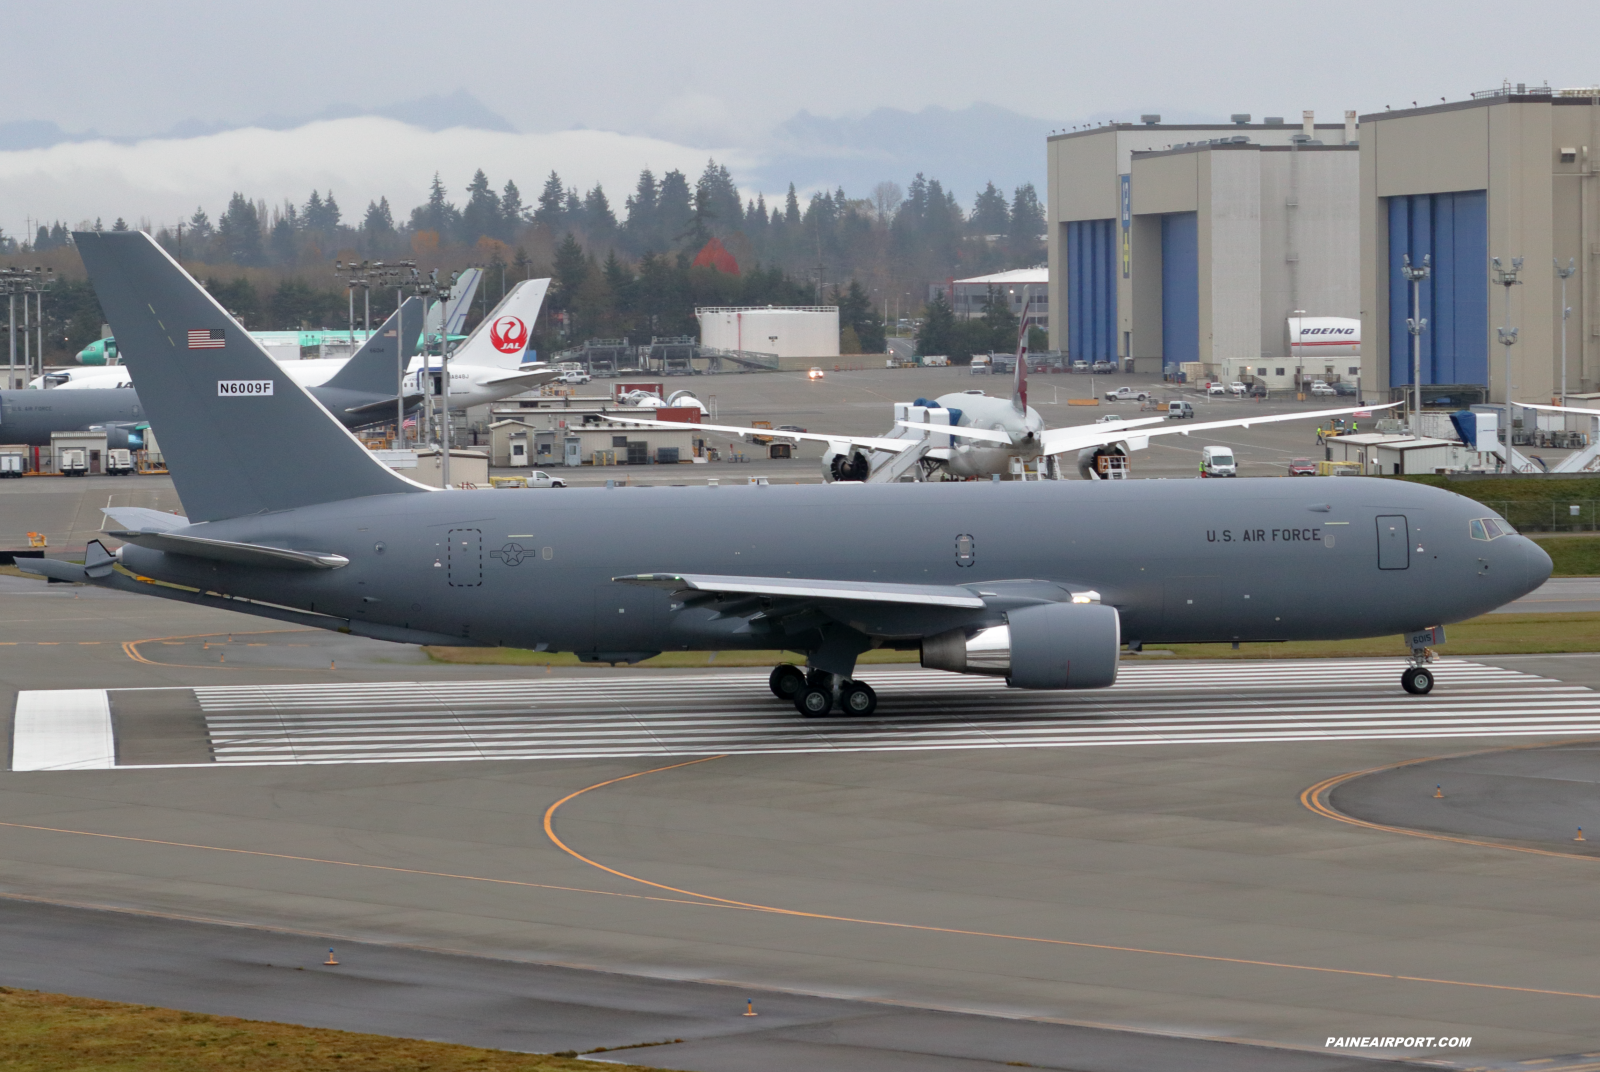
[(1050, 646), (842, 462), (121, 436)]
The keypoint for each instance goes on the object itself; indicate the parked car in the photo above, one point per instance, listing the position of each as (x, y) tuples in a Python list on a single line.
[(1320, 388), (1342, 388), (815, 373), (1258, 390), (576, 376), (536, 479), (1215, 390), (1105, 366), (789, 428), (1080, 366), (1237, 388), (1180, 411), (1217, 461), (1127, 394), (1302, 467), (980, 365)]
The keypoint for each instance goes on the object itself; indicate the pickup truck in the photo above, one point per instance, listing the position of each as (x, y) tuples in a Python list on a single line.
[(1127, 394)]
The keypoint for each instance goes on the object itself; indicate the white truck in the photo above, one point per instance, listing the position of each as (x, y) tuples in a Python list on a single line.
[(74, 462), (13, 464), (1127, 394), (119, 462)]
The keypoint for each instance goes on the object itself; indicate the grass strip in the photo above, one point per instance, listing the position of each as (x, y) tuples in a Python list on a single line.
[(42, 1032)]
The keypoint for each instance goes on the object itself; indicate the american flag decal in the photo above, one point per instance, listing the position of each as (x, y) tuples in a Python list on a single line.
[(206, 339)]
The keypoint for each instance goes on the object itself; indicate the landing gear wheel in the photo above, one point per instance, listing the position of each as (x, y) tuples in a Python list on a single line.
[(813, 702), (786, 681), (858, 699), (1418, 681)]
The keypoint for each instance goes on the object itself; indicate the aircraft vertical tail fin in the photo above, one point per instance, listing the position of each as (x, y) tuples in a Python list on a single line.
[(239, 435), (373, 368), (501, 340), (1019, 381)]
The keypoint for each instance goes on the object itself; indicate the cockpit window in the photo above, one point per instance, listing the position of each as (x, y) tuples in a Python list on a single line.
[(1490, 528)]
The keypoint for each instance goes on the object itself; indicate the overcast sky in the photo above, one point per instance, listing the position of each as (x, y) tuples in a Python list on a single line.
[(712, 75), (701, 70)]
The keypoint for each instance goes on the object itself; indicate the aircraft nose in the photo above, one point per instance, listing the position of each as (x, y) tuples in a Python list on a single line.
[(1538, 563)]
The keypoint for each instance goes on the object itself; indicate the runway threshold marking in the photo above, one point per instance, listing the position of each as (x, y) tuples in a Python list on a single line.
[(550, 832), (1317, 798)]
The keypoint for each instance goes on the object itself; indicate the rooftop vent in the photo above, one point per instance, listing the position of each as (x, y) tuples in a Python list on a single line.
[(1299, 139), (1149, 120), (1240, 118), (1273, 120), (1240, 139)]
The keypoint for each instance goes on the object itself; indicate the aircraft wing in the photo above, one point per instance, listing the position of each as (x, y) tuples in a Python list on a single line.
[(990, 436), (384, 406), (143, 519), (528, 377), (926, 595), (870, 442), (1559, 409), (1061, 440)]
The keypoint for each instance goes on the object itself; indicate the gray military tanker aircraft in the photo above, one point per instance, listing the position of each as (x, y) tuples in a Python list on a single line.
[(359, 394), (290, 518)]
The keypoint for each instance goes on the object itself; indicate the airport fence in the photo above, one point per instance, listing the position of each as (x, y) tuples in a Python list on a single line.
[(1572, 515)]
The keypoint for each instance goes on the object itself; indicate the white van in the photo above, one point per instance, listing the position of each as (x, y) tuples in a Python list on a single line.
[(980, 364), (1218, 461)]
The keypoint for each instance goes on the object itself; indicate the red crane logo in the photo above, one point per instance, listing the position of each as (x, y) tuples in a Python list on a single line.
[(509, 335)]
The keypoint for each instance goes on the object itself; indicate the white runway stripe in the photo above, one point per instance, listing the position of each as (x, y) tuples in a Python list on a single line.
[(708, 713)]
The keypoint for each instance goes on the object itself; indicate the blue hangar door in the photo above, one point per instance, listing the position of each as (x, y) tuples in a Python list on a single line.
[(1180, 287), (1454, 230), (1092, 290)]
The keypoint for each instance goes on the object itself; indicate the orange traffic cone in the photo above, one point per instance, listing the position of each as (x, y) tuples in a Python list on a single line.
[(1438, 792), (330, 959), (1580, 834), (750, 1009)]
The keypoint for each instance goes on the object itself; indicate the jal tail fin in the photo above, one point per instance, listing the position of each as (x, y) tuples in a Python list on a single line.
[(1019, 381), (501, 339), (373, 368), (239, 435)]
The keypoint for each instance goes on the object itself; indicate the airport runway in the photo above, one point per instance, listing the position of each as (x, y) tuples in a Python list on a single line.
[(698, 714)]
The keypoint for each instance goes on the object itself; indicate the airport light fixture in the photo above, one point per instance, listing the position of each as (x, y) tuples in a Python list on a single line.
[(1299, 372), (25, 281), (1566, 314), (1507, 277), (1416, 323)]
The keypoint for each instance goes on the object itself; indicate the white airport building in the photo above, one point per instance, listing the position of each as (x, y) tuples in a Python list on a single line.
[(789, 331)]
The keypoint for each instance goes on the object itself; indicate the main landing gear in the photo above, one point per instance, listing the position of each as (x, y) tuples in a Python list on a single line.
[(1418, 681), (816, 693)]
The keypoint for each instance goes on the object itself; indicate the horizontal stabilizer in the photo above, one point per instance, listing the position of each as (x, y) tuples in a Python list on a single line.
[(384, 406), (927, 595), (258, 555), (837, 442), (532, 377)]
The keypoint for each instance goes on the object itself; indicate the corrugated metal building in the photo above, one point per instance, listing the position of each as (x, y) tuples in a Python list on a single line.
[(1197, 243), (1509, 173)]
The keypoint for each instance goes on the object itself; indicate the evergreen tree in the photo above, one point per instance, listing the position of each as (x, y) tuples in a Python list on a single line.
[(512, 210), (791, 208), (1027, 224), (438, 215), (200, 224), (282, 241), (239, 232), (552, 203), (120, 225), (481, 216), (379, 221), (641, 228), (857, 316), (42, 240), (1000, 323), (675, 209), (990, 216), (598, 219), (937, 335), (60, 236), (717, 201)]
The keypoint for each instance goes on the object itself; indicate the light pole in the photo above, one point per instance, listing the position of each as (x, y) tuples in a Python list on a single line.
[(1416, 323), (1508, 338), (1294, 346), (1566, 314)]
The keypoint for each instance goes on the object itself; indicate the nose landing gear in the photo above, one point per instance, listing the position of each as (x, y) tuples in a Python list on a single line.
[(1417, 680)]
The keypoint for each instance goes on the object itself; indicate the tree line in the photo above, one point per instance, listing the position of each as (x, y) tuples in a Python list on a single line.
[(619, 271)]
